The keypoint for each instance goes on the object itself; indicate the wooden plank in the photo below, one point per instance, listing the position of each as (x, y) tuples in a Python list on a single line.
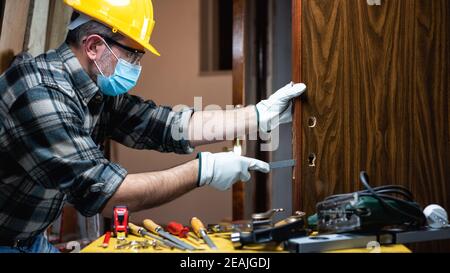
[(239, 7), (2, 9), (38, 28), (13, 31), (58, 19)]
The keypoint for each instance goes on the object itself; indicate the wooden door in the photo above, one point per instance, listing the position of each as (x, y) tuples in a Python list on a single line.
[(378, 82)]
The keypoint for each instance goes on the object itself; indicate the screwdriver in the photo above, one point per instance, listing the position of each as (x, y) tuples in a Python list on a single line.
[(200, 230), (181, 231), (157, 229), (105, 243), (178, 229), (140, 231)]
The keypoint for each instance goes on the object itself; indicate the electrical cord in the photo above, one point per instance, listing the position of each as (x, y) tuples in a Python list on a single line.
[(381, 198), (383, 193), (404, 189), (393, 189)]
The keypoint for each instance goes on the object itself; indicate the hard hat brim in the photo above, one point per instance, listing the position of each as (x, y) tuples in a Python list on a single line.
[(82, 19), (150, 48)]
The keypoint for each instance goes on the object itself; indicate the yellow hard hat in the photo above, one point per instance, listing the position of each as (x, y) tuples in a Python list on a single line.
[(132, 18)]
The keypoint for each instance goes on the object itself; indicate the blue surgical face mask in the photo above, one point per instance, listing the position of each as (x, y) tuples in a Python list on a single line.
[(124, 79)]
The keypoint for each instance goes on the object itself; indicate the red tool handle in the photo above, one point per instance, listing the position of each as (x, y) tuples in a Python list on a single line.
[(106, 240), (178, 229)]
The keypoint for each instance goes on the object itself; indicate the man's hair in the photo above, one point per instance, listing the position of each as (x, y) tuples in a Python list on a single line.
[(75, 37)]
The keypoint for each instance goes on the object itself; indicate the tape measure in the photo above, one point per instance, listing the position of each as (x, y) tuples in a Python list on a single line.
[(120, 222)]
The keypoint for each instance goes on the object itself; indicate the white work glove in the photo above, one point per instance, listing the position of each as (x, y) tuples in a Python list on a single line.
[(277, 109), (222, 170)]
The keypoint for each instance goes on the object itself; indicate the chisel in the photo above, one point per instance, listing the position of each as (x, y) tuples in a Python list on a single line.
[(200, 230), (181, 231), (153, 227), (141, 232)]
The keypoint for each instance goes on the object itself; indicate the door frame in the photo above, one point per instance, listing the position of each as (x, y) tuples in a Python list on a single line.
[(297, 117)]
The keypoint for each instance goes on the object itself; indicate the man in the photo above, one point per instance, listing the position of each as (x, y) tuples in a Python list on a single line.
[(57, 110)]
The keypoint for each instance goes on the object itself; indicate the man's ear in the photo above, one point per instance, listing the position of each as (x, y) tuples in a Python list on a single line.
[(93, 46)]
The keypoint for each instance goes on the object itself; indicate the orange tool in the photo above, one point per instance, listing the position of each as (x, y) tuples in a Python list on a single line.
[(178, 229)]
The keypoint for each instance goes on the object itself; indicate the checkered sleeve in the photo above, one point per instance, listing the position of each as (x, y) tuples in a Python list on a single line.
[(53, 148), (141, 124)]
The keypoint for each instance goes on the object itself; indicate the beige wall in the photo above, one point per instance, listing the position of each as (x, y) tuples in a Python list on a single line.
[(174, 79)]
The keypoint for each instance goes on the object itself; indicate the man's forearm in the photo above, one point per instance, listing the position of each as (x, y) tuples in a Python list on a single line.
[(207, 127), (148, 190)]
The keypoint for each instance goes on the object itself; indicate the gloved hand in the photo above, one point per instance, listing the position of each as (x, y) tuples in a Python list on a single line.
[(222, 170), (277, 109)]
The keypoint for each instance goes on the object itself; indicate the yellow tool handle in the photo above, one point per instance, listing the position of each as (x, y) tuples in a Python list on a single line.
[(134, 229), (197, 226), (152, 226)]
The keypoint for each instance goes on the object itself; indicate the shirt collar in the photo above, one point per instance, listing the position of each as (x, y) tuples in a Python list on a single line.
[(81, 81)]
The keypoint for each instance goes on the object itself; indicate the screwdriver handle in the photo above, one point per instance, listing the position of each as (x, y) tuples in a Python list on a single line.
[(178, 229), (135, 230), (152, 226), (106, 240), (197, 226)]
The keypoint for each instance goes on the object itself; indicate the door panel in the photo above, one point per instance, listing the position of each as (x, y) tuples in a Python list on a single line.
[(378, 80)]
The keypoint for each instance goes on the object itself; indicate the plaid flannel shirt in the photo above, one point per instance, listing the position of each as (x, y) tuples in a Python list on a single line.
[(53, 121)]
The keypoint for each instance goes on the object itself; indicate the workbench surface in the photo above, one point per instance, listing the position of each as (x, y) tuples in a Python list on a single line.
[(224, 246)]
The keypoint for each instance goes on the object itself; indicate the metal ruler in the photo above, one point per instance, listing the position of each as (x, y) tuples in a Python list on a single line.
[(282, 164)]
